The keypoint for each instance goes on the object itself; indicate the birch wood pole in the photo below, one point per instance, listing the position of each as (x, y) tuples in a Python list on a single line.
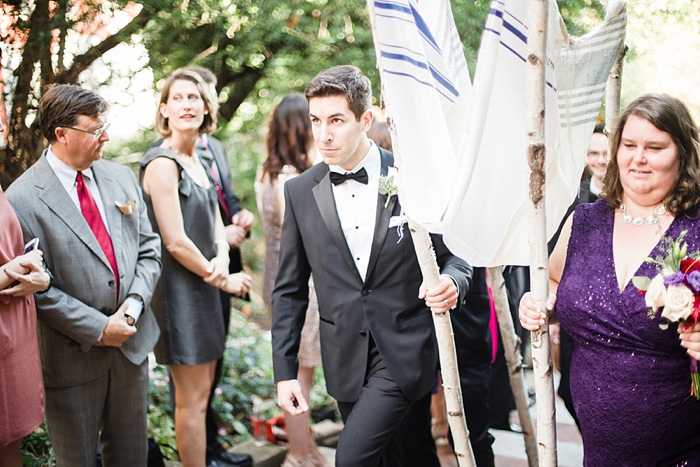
[(539, 271), (442, 322), (612, 93), (511, 349), (446, 348)]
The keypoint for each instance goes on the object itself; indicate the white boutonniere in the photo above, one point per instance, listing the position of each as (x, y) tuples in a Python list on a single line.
[(126, 208), (388, 186)]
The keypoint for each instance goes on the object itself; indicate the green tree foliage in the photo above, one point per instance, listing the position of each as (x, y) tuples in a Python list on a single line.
[(258, 50)]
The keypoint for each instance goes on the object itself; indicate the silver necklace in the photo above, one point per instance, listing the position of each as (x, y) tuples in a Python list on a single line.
[(652, 219)]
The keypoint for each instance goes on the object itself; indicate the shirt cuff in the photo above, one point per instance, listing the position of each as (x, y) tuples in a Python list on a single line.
[(134, 307)]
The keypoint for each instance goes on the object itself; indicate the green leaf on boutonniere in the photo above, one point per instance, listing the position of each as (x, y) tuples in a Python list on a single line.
[(387, 187)]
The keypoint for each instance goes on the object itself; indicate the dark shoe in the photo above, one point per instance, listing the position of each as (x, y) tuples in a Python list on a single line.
[(217, 456)]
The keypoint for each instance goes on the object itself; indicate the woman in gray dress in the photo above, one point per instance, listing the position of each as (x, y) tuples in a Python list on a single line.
[(182, 205)]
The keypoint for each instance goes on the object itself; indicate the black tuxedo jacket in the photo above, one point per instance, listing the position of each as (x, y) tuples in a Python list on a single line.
[(385, 304)]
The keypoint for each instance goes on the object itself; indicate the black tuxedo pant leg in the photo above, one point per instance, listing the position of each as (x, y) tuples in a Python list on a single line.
[(413, 444), (382, 426)]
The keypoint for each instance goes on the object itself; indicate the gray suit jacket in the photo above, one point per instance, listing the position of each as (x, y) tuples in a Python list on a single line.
[(74, 311)]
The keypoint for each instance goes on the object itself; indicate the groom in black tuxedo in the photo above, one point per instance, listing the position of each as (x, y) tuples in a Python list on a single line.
[(377, 336)]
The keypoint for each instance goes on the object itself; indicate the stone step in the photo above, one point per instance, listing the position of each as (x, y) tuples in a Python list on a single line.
[(267, 454)]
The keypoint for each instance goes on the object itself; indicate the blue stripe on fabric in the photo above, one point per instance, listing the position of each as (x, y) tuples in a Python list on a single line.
[(516, 32), (423, 28), (392, 6), (408, 75), (394, 18), (512, 51), (446, 83)]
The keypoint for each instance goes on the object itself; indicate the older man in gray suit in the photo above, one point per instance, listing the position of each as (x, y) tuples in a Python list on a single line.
[(95, 325)]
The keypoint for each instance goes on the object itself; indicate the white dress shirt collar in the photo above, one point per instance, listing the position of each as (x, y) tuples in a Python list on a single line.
[(372, 163)]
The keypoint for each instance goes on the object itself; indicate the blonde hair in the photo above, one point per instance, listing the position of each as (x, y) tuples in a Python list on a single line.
[(209, 123)]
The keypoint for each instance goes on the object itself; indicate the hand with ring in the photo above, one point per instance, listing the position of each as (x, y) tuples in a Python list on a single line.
[(442, 297)]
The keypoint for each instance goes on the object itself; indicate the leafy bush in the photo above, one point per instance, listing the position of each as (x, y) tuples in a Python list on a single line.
[(36, 449)]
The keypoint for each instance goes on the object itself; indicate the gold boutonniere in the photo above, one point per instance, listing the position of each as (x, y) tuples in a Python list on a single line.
[(387, 185), (126, 208)]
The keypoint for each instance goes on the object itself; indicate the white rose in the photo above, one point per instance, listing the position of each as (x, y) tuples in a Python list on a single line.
[(679, 303), (656, 293)]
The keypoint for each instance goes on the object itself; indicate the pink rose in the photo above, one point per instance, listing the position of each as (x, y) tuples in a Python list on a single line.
[(679, 303), (655, 296)]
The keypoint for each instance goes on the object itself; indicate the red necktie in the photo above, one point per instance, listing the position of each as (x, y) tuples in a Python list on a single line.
[(91, 213)]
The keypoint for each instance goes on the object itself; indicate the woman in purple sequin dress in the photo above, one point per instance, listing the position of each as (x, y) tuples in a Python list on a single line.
[(630, 379)]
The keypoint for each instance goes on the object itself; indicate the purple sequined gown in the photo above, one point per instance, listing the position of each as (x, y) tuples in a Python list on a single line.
[(630, 380)]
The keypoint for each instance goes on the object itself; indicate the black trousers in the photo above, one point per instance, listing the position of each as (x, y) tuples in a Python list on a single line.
[(383, 427)]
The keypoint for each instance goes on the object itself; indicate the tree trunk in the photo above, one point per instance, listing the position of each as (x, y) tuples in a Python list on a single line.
[(446, 347), (612, 93), (23, 142), (539, 272), (511, 349)]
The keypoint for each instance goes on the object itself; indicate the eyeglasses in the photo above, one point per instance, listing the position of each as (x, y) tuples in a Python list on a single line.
[(96, 133)]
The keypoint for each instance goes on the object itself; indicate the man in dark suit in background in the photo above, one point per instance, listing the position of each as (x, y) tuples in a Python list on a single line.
[(238, 223), (470, 324), (377, 336), (95, 325)]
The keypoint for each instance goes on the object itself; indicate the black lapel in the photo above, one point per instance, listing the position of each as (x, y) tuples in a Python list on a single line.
[(326, 205), (381, 226)]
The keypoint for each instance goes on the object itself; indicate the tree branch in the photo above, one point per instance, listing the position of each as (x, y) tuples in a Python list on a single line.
[(83, 62)]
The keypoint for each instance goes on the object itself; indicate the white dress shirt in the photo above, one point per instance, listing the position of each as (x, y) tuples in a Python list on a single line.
[(356, 204), (66, 175)]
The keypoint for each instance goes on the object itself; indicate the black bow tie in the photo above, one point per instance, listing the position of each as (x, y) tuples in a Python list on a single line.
[(359, 176)]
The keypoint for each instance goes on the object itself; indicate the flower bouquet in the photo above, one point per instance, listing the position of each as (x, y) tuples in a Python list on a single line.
[(675, 290)]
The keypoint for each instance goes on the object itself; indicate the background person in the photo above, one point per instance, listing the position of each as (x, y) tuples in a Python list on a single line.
[(183, 207), (289, 146), (630, 379), (95, 325), (237, 224)]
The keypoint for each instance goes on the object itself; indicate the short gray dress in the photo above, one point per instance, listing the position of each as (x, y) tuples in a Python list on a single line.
[(187, 308)]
